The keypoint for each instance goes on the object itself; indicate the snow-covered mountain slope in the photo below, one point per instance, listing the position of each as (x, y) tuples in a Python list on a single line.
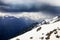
[(42, 32)]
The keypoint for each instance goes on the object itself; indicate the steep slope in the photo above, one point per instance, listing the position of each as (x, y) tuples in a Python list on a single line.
[(42, 32)]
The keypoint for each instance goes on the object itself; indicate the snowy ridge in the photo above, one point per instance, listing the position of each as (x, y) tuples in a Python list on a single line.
[(49, 31), (48, 21)]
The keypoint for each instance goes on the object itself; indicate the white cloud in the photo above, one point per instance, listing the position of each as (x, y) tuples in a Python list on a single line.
[(31, 15), (18, 1), (51, 2)]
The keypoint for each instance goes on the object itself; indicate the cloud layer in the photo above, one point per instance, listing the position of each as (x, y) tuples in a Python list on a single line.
[(30, 6)]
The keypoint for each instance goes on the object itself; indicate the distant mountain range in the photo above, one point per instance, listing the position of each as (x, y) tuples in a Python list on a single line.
[(11, 26), (48, 31)]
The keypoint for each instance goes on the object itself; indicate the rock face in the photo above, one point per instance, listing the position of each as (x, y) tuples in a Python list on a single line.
[(49, 31)]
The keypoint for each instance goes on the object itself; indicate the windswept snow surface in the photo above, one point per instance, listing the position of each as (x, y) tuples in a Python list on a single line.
[(42, 32)]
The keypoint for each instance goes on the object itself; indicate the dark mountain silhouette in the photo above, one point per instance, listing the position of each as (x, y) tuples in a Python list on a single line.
[(11, 26)]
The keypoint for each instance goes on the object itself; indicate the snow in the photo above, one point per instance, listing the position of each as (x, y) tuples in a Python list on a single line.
[(42, 32)]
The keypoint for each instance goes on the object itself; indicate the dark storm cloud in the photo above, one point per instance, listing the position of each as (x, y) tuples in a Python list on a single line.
[(20, 8), (51, 9), (34, 7)]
